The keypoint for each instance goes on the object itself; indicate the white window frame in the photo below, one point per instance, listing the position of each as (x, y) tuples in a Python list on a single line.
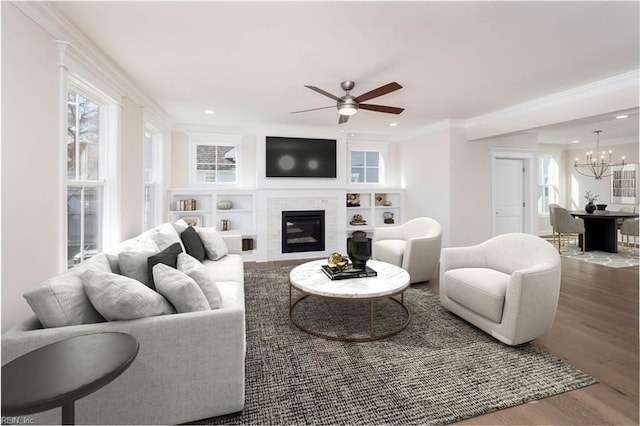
[(196, 139), (154, 186), (108, 146), (382, 151), (553, 187)]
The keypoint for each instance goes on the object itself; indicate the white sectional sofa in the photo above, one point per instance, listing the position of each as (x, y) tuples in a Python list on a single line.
[(190, 366)]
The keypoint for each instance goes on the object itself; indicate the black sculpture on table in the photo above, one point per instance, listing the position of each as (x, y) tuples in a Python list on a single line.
[(359, 249)]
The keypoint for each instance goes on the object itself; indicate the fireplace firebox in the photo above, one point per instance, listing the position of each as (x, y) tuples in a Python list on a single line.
[(302, 230)]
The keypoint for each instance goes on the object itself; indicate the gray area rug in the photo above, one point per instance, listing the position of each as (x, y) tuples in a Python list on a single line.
[(438, 370), (623, 259)]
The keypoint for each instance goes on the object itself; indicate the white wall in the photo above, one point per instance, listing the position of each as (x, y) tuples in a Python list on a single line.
[(31, 196), (131, 171), (252, 165), (34, 163), (424, 163)]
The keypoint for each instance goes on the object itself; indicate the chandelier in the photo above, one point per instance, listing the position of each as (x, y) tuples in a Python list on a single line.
[(596, 167)]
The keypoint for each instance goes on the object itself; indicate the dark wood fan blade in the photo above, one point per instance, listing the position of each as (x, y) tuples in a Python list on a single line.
[(382, 90), (312, 109), (343, 119), (382, 108), (322, 92)]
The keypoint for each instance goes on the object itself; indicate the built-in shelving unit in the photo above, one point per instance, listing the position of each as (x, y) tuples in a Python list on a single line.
[(210, 211), (374, 207), (377, 208)]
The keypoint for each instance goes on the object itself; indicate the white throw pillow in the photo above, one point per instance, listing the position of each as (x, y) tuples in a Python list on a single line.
[(194, 269), (214, 245), (180, 226), (60, 301), (133, 264), (187, 263), (117, 297), (165, 235), (179, 289)]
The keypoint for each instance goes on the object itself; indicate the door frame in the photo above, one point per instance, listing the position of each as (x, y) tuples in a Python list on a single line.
[(530, 210)]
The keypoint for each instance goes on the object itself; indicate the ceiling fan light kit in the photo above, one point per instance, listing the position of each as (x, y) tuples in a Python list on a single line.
[(347, 105)]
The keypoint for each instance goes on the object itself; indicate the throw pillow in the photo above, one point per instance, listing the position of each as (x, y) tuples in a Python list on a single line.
[(179, 289), (194, 269), (188, 263), (192, 243), (165, 235), (168, 256), (117, 297), (133, 264), (61, 301), (180, 225), (214, 245)]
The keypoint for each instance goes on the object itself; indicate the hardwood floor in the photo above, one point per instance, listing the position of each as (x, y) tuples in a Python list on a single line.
[(595, 330)]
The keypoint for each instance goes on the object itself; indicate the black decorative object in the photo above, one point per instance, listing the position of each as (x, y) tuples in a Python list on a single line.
[(590, 207), (601, 206), (359, 249)]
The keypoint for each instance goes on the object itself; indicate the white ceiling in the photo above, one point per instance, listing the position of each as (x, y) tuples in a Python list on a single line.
[(249, 61)]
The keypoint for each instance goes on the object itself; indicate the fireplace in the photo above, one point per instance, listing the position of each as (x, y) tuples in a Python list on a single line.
[(302, 230)]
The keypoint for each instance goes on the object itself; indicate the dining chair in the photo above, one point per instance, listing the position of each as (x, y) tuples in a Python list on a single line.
[(567, 225), (630, 228), (552, 221)]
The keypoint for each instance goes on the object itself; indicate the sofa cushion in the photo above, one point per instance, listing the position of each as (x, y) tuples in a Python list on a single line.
[(61, 300), (133, 264), (168, 256), (117, 297), (192, 243), (214, 245), (390, 251), (179, 289), (229, 268), (205, 279), (480, 290)]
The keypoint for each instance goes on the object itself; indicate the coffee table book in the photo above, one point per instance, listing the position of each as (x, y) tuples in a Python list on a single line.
[(345, 274)]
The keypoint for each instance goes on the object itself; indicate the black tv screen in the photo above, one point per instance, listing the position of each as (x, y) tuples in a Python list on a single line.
[(300, 157)]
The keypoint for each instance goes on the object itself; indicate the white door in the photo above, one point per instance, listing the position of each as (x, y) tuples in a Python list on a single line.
[(508, 196)]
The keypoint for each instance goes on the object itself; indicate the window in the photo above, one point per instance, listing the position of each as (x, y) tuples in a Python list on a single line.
[(152, 146), (85, 182), (366, 167), (548, 183), (214, 159)]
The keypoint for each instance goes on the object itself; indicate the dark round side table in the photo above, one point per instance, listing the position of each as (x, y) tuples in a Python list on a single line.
[(63, 372)]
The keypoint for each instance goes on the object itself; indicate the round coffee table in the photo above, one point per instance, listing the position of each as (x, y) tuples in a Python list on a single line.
[(310, 280), (60, 373)]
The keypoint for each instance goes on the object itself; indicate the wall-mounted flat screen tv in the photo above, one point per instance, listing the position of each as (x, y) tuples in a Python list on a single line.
[(300, 157)]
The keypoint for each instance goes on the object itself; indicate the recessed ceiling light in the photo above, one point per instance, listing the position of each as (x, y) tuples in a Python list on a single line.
[(575, 141), (393, 124), (209, 111), (620, 117)]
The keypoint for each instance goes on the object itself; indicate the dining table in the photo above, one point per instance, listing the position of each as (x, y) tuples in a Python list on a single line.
[(601, 228)]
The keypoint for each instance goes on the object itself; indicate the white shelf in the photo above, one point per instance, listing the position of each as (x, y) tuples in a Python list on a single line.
[(241, 217), (372, 210)]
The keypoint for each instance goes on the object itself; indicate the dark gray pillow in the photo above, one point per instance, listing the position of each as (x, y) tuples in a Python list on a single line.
[(168, 256), (193, 244)]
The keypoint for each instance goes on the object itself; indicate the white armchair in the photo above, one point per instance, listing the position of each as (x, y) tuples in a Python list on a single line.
[(507, 286), (414, 246)]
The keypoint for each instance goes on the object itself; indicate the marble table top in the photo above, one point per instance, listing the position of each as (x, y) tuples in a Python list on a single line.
[(310, 279)]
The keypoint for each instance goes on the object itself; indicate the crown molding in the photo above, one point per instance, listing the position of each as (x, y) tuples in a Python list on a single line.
[(602, 87), (89, 56)]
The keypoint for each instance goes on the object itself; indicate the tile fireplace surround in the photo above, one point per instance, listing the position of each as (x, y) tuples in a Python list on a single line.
[(270, 221)]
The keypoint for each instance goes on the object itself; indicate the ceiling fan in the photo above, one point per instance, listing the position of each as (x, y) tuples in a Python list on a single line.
[(348, 105)]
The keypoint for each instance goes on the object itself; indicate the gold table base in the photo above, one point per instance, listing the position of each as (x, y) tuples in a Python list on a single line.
[(372, 335)]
